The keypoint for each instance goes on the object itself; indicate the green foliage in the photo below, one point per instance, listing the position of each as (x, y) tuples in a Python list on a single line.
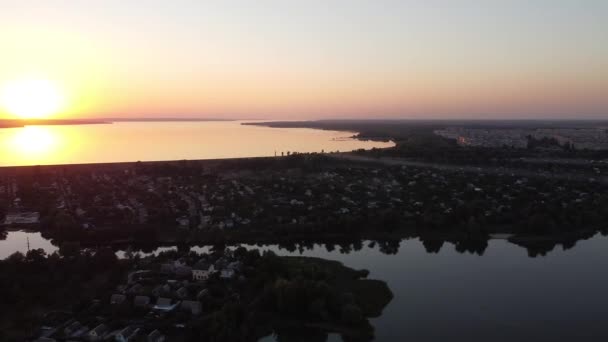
[(36, 256), (69, 249), (36, 281), (351, 314)]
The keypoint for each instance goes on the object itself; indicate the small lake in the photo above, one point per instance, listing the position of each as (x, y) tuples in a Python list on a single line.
[(151, 141), (501, 295)]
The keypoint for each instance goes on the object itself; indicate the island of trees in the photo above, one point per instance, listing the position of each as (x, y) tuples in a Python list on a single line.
[(224, 295)]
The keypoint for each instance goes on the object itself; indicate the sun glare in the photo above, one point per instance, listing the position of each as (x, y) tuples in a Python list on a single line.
[(31, 99), (33, 141)]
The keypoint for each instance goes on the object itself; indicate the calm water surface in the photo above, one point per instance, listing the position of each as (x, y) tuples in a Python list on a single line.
[(149, 141), (502, 295)]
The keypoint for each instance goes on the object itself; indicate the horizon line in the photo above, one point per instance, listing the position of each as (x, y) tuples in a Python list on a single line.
[(194, 119)]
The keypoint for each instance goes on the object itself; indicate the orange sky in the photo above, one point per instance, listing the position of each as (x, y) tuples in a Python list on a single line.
[(296, 60)]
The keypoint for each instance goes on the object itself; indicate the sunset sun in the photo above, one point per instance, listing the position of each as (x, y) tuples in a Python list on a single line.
[(31, 98)]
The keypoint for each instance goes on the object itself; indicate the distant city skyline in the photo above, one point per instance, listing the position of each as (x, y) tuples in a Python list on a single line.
[(288, 60)]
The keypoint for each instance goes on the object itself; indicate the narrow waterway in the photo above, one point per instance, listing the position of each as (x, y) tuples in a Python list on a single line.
[(501, 295)]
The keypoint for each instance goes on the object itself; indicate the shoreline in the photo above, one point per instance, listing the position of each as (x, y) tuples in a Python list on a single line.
[(142, 162), (254, 238), (18, 123), (355, 135), (7, 124), (371, 236)]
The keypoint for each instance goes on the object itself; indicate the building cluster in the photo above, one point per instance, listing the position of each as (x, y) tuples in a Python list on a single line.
[(18, 216), (579, 138), (160, 298), (295, 198), (486, 137)]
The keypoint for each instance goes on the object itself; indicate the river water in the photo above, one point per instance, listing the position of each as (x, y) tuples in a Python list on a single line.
[(152, 141), (501, 295)]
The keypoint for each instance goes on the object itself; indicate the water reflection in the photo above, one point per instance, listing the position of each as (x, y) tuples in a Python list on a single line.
[(31, 144), (11, 242), (474, 290), (35, 140), (16, 241), (152, 141), (446, 290)]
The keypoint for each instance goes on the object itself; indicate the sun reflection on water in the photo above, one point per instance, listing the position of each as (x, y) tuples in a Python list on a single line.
[(33, 144), (134, 141)]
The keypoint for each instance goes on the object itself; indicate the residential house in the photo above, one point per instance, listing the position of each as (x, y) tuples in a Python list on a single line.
[(156, 336), (98, 333), (181, 262), (117, 299), (141, 301), (182, 292), (202, 294), (127, 334), (202, 274), (164, 304), (191, 306), (72, 327), (80, 332), (161, 290), (183, 271), (135, 289), (21, 219)]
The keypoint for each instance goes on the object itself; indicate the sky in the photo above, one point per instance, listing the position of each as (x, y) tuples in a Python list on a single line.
[(313, 59)]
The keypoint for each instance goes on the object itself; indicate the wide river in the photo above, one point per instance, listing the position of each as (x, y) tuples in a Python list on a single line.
[(149, 141), (501, 295)]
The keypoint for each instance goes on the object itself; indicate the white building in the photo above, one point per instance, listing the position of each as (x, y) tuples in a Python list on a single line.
[(25, 218), (202, 274)]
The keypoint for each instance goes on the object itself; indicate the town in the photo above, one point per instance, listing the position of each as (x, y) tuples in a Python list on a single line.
[(150, 292), (300, 195), (222, 295), (556, 138)]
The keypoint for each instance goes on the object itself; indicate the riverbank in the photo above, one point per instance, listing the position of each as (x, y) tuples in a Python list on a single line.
[(19, 241), (447, 295), (373, 130), (17, 123), (419, 139)]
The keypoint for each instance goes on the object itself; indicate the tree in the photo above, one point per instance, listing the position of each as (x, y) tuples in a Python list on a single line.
[(16, 257), (36, 256), (64, 221), (351, 314), (105, 257), (316, 309), (69, 249)]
